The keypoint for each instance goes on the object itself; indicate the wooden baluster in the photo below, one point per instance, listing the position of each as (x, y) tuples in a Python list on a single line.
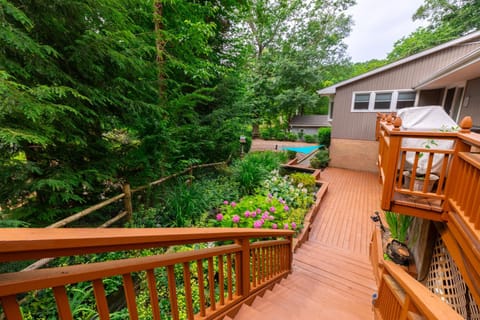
[(153, 294), (469, 188), (238, 276), (211, 284), (221, 280), (264, 265), (462, 187), (187, 281), (11, 308), (101, 300), (254, 267), (229, 277), (474, 207), (443, 171), (426, 182), (201, 287), (270, 263), (63, 306), (402, 168), (172, 292), (405, 308), (414, 171), (129, 289)]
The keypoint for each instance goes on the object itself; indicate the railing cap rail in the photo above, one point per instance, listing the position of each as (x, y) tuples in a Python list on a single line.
[(30, 243)]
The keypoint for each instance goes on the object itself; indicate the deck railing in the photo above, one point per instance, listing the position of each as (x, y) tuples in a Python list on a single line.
[(224, 275), (401, 297), (456, 184)]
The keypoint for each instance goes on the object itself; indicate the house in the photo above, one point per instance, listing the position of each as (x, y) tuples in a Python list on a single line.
[(447, 75), (308, 124)]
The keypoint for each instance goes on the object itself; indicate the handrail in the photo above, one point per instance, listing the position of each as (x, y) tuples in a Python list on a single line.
[(244, 268), (402, 297)]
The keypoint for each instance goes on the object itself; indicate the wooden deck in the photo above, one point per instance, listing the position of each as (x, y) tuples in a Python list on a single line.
[(332, 277)]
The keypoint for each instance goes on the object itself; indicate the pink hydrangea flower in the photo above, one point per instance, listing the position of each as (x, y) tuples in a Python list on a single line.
[(272, 209), (270, 195), (285, 226), (258, 224), (259, 210), (265, 215), (253, 214), (247, 214), (274, 226), (294, 225), (219, 217), (233, 203), (235, 219), (286, 208), (225, 202), (271, 218)]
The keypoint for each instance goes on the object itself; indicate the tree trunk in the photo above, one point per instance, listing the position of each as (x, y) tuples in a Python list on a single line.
[(160, 46)]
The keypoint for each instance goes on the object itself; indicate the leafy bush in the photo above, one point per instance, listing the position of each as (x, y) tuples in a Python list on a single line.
[(284, 187), (320, 160), (303, 180), (280, 135), (291, 136), (255, 167), (310, 138), (324, 135), (291, 154)]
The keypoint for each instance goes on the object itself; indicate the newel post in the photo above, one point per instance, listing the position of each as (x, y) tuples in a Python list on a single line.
[(391, 164), (127, 201), (244, 266)]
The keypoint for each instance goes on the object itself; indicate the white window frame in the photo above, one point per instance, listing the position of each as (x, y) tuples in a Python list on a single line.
[(371, 102)]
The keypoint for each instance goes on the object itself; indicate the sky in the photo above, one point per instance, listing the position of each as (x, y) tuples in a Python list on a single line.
[(378, 24)]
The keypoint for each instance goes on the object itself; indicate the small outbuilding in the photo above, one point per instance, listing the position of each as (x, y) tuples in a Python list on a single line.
[(308, 124)]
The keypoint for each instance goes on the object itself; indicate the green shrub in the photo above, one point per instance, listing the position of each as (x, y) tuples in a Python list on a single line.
[(255, 167), (303, 180), (320, 160), (309, 138), (291, 154), (324, 135), (292, 137), (280, 135)]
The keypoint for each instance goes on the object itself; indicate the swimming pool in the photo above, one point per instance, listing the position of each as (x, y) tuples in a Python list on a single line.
[(305, 149)]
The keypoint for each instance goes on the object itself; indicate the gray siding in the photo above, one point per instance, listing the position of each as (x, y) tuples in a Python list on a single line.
[(472, 91), (361, 125)]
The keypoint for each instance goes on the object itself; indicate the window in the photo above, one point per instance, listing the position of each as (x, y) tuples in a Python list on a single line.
[(361, 101), (382, 100), (405, 100)]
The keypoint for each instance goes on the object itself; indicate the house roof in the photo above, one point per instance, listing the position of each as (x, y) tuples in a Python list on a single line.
[(312, 121), (465, 68), (332, 89)]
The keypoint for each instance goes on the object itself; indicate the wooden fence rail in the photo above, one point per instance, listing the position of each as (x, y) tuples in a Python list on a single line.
[(245, 268), (127, 197)]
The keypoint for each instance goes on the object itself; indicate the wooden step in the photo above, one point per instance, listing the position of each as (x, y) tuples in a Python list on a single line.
[(247, 312), (339, 253), (344, 286)]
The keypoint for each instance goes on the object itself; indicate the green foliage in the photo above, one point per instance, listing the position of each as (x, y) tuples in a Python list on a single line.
[(324, 135), (398, 225), (310, 138), (286, 189), (291, 136), (254, 168), (303, 180), (321, 159), (291, 154)]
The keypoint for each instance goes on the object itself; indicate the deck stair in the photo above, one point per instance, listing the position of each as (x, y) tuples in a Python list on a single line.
[(326, 283)]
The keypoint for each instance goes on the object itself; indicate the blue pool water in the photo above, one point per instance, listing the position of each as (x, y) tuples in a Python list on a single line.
[(306, 149)]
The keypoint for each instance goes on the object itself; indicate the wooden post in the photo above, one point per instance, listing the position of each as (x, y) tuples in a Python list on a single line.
[(391, 166), (127, 201), (244, 267)]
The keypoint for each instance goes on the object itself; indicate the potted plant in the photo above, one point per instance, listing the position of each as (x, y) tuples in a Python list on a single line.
[(396, 247)]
